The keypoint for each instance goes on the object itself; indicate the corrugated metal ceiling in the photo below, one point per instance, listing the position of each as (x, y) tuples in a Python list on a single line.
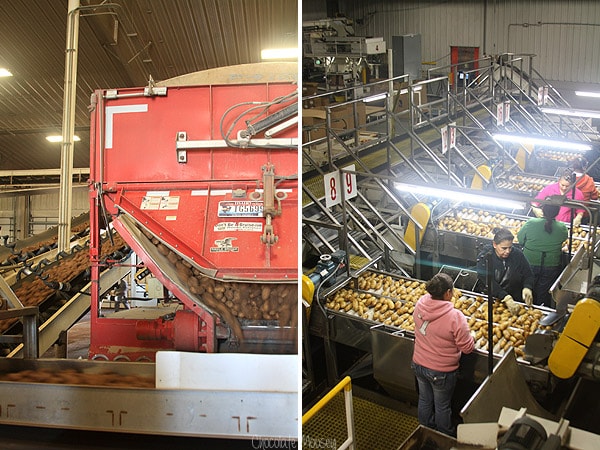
[(121, 44)]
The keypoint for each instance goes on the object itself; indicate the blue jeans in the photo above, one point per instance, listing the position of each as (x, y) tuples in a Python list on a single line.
[(435, 398)]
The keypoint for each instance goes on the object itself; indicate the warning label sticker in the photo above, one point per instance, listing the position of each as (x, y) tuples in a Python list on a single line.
[(151, 202), (238, 226), (240, 208)]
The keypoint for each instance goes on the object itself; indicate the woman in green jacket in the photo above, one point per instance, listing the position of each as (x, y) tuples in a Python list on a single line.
[(542, 241)]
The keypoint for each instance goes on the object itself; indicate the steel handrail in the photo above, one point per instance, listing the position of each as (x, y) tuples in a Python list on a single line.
[(346, 385)]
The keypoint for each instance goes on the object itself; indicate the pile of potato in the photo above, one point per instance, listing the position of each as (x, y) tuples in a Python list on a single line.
[(509, 330), (482, 224), (555, 155), (72, 376), (233, 301), (479, 223), (391, 301), (34, 248), (522, 183), (32, 291)]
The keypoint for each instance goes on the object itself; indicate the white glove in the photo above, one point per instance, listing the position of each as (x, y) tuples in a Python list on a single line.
[(510, 304), (537, 211), (577, 220), (528, 296)]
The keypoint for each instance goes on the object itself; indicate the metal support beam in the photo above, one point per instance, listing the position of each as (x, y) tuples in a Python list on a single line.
[(68, 126)]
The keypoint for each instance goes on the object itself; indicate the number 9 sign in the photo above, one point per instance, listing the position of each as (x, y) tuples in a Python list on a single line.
[(333, 196)]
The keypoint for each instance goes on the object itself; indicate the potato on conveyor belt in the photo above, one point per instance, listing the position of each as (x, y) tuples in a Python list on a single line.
[(396, 307)]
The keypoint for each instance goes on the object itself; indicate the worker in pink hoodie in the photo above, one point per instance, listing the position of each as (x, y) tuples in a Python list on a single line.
[(564, 186), (441, 335)]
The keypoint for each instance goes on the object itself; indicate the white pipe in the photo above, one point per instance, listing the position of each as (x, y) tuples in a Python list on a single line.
[(68, 126)]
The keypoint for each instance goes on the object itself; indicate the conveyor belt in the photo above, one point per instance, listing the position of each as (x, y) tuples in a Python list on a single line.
[(376, 427), (371, 159), (358, 262), (374, 158)]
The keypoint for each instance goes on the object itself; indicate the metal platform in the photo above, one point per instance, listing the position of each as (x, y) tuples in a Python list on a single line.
[(376, 426)]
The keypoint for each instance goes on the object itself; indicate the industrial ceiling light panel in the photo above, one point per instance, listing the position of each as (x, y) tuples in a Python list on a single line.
[(541, 140)]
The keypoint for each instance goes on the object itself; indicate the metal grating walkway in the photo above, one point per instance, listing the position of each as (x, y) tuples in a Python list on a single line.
[(376, 427)]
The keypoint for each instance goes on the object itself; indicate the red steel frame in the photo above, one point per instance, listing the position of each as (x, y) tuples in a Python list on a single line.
[(135, 171)]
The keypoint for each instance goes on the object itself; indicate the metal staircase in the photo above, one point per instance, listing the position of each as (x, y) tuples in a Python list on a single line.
[(404, 143)]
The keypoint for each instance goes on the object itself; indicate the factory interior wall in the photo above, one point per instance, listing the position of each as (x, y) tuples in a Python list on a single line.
[(562, 35), (43, 209)]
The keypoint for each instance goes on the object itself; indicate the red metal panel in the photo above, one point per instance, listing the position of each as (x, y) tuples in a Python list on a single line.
[(139, 135), (138, 161), (208, 207), (228, 244)]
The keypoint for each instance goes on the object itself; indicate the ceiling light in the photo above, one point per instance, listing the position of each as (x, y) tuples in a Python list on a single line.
[(571, 112), (520, 139), (5, 72), (459, 195), (57, 138), (279, 53), (587, 94)]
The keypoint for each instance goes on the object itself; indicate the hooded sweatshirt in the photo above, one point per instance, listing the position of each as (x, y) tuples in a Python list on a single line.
[(564, 213), (441, 334)]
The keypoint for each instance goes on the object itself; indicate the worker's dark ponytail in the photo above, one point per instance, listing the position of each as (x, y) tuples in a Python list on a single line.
[(550, 213)]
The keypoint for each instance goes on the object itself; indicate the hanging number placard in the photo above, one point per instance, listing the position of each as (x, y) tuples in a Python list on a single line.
[(542, 95), (500, 114), (333, 196), (452, 127), (444, 131)]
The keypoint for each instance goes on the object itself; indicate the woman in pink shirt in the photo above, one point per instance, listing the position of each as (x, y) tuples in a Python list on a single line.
[(441, 335), (564, 186)]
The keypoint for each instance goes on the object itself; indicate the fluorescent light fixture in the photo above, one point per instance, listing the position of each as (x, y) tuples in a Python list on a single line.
[(374, 98), (279, 53), (56, 138), (459, 196), (5, 72), (571, 112), (587, 94), (520, 139)]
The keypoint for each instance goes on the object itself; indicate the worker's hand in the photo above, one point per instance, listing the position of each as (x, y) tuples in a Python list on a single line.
[(528, 296), (577, 220), (510, 304), (537, 211)]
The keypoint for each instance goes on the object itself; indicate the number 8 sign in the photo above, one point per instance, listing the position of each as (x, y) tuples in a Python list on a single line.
[(333, 196)]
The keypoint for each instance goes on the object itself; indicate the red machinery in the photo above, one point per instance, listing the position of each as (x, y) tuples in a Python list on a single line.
[(199, 176)]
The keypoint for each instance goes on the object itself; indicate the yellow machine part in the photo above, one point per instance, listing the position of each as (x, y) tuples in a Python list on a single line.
[(483, 172), (421, 213), (576, 338), (308, 291), (524, 151)]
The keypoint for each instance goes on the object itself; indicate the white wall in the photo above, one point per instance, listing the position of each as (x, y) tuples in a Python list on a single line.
[(565, 39), (44, 208), (40, 210)]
